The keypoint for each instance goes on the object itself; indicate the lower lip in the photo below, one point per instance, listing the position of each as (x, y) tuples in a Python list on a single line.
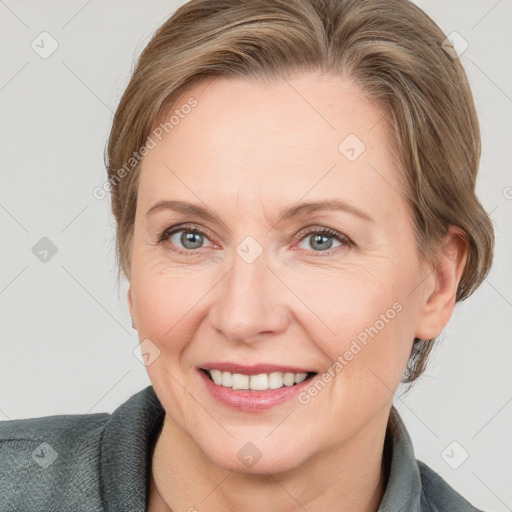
[(247, 400)]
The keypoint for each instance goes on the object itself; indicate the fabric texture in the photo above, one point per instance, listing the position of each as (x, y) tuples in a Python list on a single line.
[(101, 462)]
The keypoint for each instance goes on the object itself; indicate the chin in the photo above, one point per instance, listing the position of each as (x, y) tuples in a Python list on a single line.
[(263, 466), (254, 458)]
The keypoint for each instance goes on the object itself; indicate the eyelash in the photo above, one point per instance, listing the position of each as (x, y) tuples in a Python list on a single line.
[(343, 239)]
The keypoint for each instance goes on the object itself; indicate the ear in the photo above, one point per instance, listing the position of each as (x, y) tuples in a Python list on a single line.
[(439, 303), (130, 306)]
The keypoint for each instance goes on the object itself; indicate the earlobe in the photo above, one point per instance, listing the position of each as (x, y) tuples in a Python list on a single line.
[(439, 304)]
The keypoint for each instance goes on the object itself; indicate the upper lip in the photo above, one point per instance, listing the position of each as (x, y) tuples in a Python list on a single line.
[(253, 369)]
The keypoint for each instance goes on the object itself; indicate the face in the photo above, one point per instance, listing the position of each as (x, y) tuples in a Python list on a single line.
[(231, 272)]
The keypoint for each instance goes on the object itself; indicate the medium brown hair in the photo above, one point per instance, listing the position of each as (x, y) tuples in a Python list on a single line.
[(390, 48)]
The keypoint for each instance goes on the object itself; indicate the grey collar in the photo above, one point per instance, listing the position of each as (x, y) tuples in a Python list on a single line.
[(403, 489)]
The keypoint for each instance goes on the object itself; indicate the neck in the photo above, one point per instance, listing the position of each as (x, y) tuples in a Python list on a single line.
[(347, 478)]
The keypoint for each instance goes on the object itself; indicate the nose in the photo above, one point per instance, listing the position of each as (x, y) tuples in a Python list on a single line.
[(250, 302)]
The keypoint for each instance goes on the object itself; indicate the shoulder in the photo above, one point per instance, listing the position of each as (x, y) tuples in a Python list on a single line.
[(48, 461), (438, 496)]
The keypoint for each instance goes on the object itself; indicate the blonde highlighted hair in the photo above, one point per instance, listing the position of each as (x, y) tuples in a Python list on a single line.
[(390, 48)]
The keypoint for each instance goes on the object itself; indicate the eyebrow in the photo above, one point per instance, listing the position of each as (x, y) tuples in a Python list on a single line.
[(289, 212)]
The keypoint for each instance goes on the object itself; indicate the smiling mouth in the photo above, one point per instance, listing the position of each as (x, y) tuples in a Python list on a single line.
[(258, 382)]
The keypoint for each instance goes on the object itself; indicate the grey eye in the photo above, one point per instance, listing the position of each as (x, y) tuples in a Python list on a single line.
[(188, 239), (319, 241)]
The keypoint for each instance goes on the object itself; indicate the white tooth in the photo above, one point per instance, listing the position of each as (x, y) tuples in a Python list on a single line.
[(216, 376), (299, 377), (239, 381), (288, 379), (275, 380), (227, 379), (259, 382)]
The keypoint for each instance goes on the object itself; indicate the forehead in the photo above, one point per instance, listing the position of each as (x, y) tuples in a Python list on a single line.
[(304, 135)]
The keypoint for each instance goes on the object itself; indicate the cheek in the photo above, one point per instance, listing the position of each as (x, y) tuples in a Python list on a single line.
[(347, 303), (366, 356), (370, 325), (166, 303)]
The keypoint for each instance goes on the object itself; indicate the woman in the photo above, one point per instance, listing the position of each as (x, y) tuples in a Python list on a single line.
[(294, 189)]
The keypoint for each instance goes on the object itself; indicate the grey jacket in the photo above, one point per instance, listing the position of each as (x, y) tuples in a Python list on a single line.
[(97, 462)]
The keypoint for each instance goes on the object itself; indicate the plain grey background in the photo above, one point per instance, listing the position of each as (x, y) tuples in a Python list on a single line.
[(67, 346)]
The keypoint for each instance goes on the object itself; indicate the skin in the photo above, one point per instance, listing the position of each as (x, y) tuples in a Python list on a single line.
[(246, 151)]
